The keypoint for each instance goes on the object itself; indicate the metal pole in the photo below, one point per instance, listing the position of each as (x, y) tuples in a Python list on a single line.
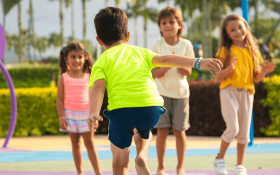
[(245, 11)]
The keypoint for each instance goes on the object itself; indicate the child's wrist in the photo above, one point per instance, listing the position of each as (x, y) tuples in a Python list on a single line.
[(196, 63), (60, 118)]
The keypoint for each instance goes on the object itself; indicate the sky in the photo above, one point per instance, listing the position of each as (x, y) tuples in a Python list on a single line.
[(47, 21)]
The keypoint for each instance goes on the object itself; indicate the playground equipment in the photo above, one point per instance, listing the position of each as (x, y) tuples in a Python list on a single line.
[(11, 87)]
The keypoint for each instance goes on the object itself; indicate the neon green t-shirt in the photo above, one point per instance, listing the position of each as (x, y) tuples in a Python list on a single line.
[(126, 70)]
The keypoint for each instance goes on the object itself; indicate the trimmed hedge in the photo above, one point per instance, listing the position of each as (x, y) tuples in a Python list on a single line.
[(36, 112), (205, 112), (32, 76), (273, 87)]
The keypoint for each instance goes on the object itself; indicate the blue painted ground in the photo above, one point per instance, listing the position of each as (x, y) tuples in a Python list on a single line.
[(106, 154)]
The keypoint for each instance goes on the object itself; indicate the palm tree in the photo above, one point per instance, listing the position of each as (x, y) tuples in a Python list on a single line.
[(148, 13), (61, 22), (31, 32), (20, 33), (275, 7), (133, 11), (84, 19), (7, 5), (61, 17), (67, 4), (139, 8)]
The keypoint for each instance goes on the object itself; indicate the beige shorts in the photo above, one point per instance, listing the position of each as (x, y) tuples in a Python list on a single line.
[(177, 114), (236, 106)]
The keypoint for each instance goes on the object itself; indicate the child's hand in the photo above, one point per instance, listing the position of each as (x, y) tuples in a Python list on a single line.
[(267, 68), (211, 65), (63, 124), (233, 63), (92, 120)]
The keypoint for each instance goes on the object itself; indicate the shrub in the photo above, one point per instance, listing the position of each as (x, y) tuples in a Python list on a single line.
[(31, 76), (36, 112), (273, 87), (205, 111)]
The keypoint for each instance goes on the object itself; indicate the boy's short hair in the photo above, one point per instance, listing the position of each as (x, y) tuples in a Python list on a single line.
[(111, 25), (170, 11)]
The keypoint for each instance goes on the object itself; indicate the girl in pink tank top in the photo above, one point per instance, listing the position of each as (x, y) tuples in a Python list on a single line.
[(73, 101)]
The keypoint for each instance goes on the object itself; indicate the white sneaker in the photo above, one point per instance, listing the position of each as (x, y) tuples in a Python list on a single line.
[(240, 170), (220, 166)]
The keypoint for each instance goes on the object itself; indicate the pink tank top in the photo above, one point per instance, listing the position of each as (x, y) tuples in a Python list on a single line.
[(76, 92)]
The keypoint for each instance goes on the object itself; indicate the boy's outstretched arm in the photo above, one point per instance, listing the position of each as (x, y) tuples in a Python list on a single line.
[(96, 99), (179, 61)]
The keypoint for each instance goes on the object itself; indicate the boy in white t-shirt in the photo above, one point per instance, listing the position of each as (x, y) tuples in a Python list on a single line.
[(173, 86)]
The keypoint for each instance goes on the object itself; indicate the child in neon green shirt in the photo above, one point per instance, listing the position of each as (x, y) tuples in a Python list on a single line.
[(134, 102)]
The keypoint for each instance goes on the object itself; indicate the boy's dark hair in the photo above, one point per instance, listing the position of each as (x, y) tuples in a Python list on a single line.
[(76, 46), (170, 11), (111, 25)]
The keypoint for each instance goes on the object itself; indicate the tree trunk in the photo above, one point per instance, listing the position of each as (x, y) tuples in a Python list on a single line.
[(145, 33), (61, 22), (20, 34), (84, 20), (73, 19), (29, 33), (34, 40), (4, 21), (135, 31)]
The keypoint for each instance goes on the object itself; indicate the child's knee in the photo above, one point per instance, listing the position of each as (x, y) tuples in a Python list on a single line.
[(76, 143), (230, 134), (243, 138), (179, 134), (88, 144)]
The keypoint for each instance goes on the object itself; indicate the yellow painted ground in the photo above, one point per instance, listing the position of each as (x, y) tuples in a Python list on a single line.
[(62, 143)]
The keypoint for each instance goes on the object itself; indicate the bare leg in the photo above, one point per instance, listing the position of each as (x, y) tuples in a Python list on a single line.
[(142, 147), (76, 151), (162, 134), (120, 160), (240, 153), (223, 149), (181, 145), (92, 154)]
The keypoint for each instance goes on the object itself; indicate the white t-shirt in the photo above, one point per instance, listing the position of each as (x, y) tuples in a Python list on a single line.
[(173, 84)]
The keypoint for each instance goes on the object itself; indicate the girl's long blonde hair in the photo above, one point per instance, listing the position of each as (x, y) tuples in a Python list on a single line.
[(249, 41)]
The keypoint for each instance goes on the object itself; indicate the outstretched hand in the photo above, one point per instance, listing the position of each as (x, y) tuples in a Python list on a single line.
[(211, 64), (92, 120), (267, 68)]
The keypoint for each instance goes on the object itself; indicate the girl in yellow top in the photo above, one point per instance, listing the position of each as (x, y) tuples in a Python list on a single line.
[(241, 68)]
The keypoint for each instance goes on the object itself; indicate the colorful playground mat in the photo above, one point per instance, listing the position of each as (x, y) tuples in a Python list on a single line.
[(52, 155)]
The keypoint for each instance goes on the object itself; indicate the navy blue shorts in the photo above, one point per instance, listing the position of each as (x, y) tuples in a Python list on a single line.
[(124, 120)]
